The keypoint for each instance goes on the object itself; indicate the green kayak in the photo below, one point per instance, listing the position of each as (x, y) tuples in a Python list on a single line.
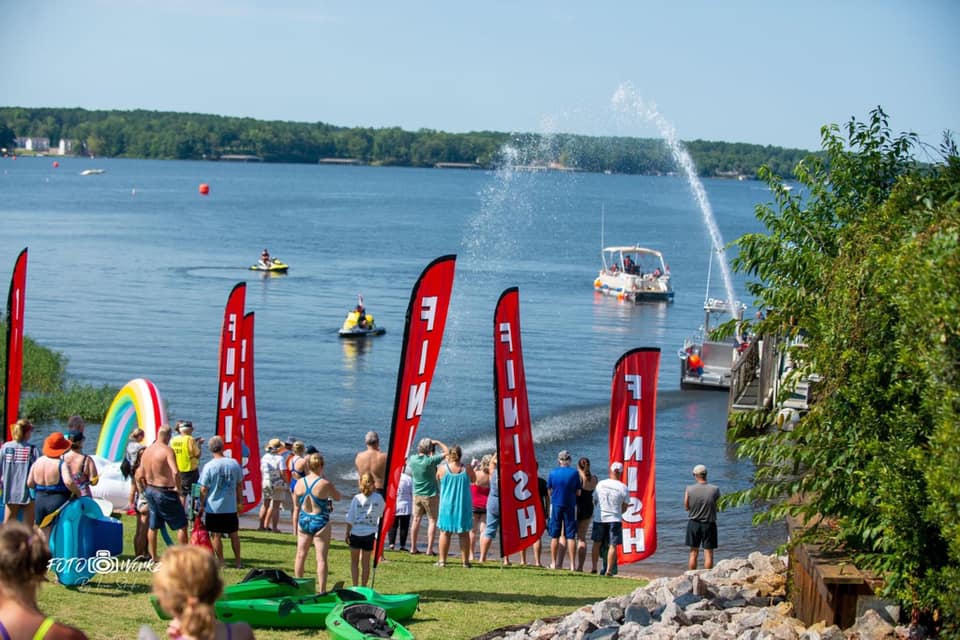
[(269, 583), (259, 583), (312, 611), (362, 621)]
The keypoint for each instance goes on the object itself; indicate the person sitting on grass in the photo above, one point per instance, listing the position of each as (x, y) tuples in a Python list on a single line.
[(24, 555), (187, 585)]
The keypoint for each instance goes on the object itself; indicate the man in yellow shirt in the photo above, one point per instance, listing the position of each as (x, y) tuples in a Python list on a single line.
[(186, 448)]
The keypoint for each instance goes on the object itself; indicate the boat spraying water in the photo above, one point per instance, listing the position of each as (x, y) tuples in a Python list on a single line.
[(628, 102)]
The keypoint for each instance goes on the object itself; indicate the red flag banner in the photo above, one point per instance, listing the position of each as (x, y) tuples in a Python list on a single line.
[(250, 460), (16, 299), (633, 411), (422, 335), (521, 511), (228, 391)]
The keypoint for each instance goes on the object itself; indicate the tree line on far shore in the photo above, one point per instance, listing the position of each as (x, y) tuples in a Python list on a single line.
[(193, 136)]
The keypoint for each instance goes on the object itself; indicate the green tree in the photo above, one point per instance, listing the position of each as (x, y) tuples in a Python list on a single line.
[(7, 137), (867, 265), (166, 135)]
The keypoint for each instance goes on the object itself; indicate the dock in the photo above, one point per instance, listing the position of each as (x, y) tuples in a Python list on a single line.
[(762, 376), (457, 165), (340, 161), (239, 157)]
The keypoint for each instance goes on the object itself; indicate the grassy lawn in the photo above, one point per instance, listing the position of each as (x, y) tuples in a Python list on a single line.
[(454, 602)]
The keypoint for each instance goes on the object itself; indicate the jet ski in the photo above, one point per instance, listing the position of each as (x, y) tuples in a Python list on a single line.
[(351, 327), (359, 323), (274, 266)]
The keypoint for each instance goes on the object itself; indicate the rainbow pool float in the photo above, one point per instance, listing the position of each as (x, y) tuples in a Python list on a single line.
[(138, 404)]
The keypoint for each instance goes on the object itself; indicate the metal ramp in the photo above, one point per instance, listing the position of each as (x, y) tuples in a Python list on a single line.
[(760, 374)]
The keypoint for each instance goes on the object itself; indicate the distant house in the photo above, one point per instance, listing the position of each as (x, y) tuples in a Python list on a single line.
[(65, 147), (37, 145)]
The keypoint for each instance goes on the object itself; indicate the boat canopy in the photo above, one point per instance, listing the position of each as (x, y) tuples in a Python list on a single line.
[(642, 260), (634, 249)]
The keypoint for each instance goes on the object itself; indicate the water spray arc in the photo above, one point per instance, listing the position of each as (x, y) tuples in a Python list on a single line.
[(627, 102)]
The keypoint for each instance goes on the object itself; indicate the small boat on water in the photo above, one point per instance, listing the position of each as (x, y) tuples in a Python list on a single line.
[(275, 265), (634, 273), (359, 323), (706, 362), (92, 172)]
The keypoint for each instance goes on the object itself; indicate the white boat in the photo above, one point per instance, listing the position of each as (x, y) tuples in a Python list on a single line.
[(634, 273), (716, 357), (92, 172)]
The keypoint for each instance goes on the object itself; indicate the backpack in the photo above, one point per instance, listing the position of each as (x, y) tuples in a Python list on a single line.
[(128, 469)]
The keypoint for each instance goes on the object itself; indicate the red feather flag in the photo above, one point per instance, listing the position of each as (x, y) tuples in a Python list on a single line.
[(633, 412), (16, 300), (228, 392), (250, 461), (422, 335), (521, 511)]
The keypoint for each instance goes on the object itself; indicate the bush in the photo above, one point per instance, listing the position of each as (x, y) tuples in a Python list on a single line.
[(866, 263), (46, 393)]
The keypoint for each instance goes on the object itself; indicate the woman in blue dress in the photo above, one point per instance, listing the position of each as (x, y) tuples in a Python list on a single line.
[(456, 505)]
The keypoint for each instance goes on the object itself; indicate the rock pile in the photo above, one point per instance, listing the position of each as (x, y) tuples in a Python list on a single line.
[(739, 599)]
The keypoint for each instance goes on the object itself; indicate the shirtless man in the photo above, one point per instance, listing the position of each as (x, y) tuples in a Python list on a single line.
[(373, 461), (158, 479)]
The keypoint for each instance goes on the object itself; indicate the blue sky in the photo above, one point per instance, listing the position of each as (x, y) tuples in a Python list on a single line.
[(766, 72)]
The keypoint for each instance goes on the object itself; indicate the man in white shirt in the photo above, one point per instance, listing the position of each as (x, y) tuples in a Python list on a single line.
[(612, 499)]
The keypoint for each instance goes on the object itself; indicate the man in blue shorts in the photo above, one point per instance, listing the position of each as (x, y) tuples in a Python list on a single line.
[(612, 498), (159, 480), (700, 501), (564, 486)]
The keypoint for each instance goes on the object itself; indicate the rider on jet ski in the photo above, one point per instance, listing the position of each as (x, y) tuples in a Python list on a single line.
[(361, 313)]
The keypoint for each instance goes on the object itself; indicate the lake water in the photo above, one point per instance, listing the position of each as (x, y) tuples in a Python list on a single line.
[(129, 273)]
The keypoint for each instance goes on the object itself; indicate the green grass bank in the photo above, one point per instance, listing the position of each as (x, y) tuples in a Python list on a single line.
[(455, 603)]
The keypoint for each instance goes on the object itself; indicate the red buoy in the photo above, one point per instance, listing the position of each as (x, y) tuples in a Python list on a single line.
[(55, 164), (204, 189)]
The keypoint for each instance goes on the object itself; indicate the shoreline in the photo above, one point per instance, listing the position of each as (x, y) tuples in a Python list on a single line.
[(647, 570)]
